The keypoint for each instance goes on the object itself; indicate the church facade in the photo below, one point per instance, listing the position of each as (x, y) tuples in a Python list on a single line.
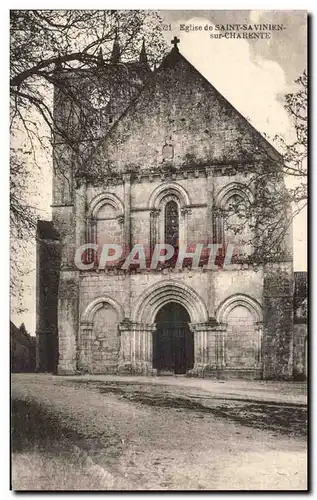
[(171, 157)]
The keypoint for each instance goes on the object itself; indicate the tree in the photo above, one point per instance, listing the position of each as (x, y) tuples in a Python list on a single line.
[(295, 153), (48, 49), (279, 184)]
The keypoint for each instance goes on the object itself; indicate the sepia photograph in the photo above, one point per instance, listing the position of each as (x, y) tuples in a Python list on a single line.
[(158, 250)]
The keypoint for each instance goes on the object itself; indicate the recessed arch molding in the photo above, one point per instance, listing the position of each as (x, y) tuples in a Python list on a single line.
[(98, 303), (233, 301), (165, 189), (167, 291), (102, 199)]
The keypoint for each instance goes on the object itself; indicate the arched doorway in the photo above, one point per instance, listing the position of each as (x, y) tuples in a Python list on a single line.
[(173, 342)]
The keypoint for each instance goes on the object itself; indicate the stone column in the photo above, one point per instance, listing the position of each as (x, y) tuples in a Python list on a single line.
[(84, 363), (258, 327), (125, 358), (141, 348), (125, 223), (210, 237), (127, 213), (68, 290), (220, 331), (91, 237), (154, 236), (183, 225), (277, 351), (147, 349), (68, 321), (209, 348), (200, 331), (80, 210), (210, 194)]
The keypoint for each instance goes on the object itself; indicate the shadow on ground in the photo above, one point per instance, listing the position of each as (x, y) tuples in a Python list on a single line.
[(32, 426), (48, 455), (279, 417)]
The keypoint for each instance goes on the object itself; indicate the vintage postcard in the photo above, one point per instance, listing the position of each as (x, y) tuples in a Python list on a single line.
[(158, 250)]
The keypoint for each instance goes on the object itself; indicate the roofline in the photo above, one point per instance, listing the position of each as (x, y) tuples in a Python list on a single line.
[(232, 106), (148, 83)]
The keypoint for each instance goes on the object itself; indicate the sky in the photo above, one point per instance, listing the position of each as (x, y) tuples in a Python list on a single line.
[(253, 74)]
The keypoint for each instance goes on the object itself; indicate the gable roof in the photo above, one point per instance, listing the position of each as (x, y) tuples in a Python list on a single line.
[(173, 93)]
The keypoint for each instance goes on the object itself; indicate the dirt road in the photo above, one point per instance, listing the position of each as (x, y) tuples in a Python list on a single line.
[(114, 434)]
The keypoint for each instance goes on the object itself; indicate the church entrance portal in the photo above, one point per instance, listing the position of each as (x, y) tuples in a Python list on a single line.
[(173, 342)]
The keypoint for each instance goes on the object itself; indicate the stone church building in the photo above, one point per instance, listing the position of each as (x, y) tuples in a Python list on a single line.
[(172, 153)]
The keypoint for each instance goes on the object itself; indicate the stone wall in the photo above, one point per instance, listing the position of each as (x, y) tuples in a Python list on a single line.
[(213, 287), (180, 139), (300, 351), (48, 258), (127, 290), (106, 341), (278, 321)]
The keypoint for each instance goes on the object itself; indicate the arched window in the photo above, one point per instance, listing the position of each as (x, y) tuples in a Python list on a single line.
[(169, 211), (108, 229), (236, 226), (231, 223), (104, 225), (171, 223)]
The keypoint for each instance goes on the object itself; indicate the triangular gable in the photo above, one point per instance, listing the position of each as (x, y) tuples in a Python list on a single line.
[(180, 109)]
